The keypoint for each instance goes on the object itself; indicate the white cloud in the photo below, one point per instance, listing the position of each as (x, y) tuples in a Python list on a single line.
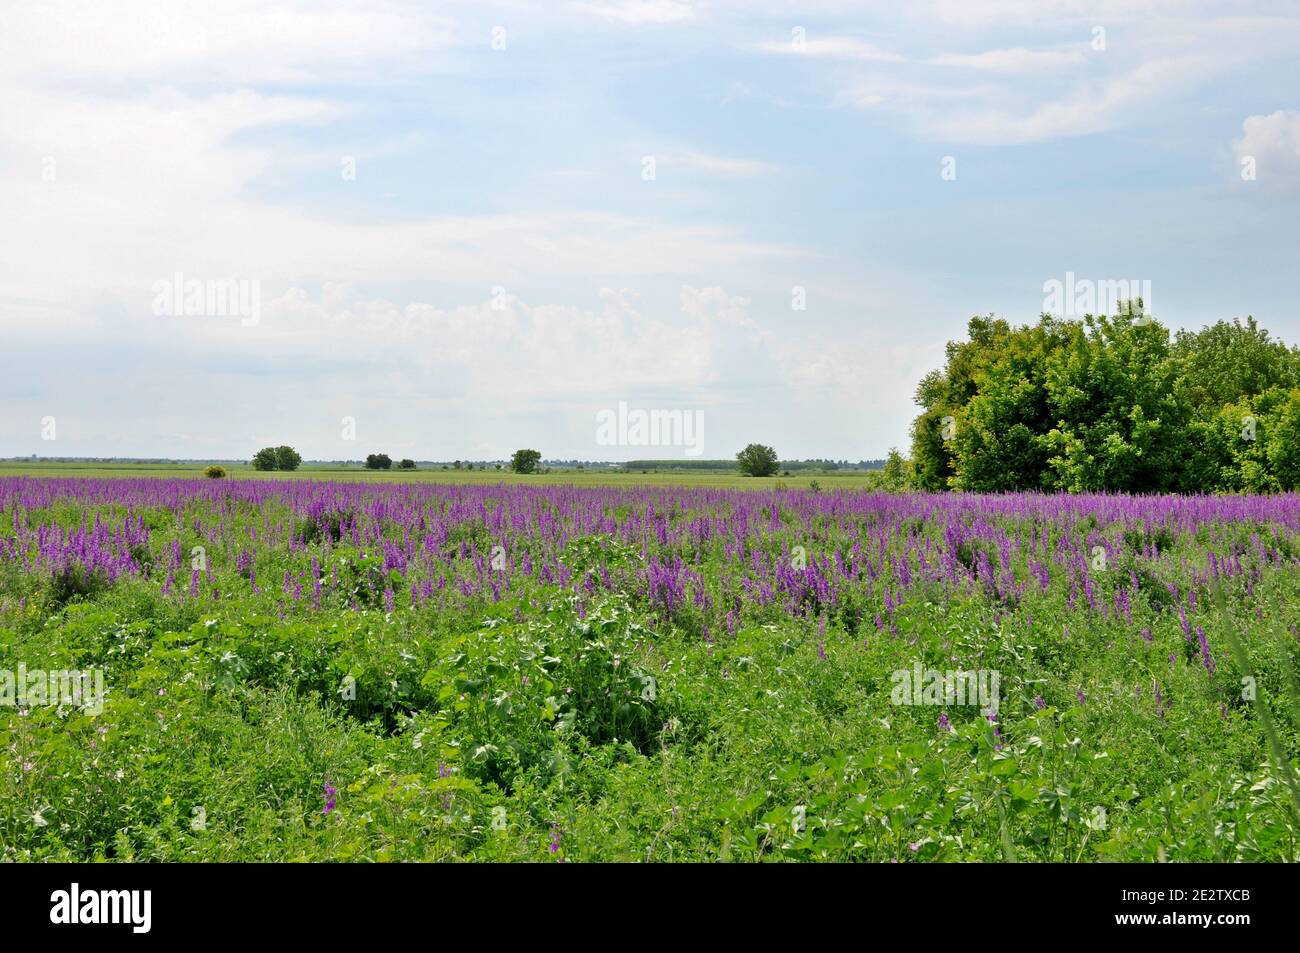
[(1273, 142), (832, 47), (236, 41), (722, 166), (638, 12), (1090, 108), (1014, 60)]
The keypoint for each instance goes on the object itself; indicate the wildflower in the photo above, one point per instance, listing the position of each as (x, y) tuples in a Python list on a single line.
[(330, 791), (1079, 695), (943, 722), (1039, 703), (1206, 658)]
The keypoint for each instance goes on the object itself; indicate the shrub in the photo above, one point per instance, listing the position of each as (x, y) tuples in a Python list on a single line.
[(214, 472)]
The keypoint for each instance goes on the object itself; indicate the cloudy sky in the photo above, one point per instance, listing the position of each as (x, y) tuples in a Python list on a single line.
[(472, 227)]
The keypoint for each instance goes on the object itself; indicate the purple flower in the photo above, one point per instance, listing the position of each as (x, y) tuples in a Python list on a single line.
[(1206, 658), (330, 791)]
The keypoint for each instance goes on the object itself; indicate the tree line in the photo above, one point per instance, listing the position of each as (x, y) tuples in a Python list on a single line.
[(1108, 403)]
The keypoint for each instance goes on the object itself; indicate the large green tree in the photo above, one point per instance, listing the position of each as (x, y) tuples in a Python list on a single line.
[(1110, 403)]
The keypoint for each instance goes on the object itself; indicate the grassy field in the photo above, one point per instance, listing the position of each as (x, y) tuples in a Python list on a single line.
[(833, 480), (527, 670)]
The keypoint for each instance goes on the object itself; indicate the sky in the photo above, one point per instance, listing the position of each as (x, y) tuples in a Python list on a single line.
[(451, 230)]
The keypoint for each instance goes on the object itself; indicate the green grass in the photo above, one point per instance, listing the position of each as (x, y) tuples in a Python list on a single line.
[(831, 480), (561, 724)]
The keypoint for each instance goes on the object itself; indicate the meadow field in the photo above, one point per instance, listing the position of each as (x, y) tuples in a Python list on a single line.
[(474, 666), (846, 479)]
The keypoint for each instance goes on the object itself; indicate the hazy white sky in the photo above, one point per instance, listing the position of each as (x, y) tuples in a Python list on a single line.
[(449, 213)]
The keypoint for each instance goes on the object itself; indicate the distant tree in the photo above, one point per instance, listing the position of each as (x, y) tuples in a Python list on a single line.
[(757, 460), (378, 461), (455, 465), (406, 464), (525, 461), (214, 472), (287, 458), (265, 459)]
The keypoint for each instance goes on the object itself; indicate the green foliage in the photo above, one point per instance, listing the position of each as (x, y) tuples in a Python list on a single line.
[(757, 460), (1109, 403), (475, 729), (525, 461), (277, 458), (378, 461), (897, 474), (287, 458), (214, 472), (406, 464)]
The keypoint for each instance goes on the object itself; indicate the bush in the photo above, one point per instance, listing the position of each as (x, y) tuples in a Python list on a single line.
[(379, 461), (214, 472), (407, 464)]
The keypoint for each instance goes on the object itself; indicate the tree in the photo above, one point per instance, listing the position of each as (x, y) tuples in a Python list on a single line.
[(214, 472), (897, 472), (757, 460), (1110, 403), (378, 461), (287, 458), (525, 461), (406, 464), (1121, 409), (276, 458)]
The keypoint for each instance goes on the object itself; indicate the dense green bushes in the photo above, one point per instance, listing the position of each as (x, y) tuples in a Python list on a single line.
[(1110, 403)]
